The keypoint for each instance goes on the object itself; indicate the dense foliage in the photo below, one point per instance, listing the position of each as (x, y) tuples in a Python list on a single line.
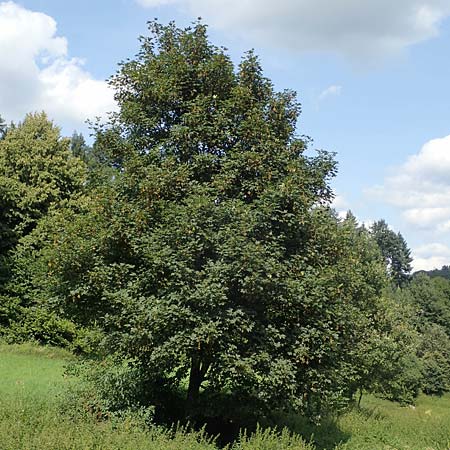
[(431, 297), (193, 248), (37, 172), (2, 128)]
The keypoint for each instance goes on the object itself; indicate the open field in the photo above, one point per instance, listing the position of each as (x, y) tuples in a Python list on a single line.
[(32, 384)]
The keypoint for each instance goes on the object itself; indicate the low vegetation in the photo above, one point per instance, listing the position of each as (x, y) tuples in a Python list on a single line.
[(34, 414)]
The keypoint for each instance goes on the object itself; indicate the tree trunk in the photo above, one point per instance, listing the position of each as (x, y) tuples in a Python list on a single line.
[(194, 385), (360, 397), (196, 377)]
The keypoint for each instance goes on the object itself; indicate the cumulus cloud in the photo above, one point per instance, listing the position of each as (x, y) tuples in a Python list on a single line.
[(420, 187), (340, 203), (331, 91), (39, 75), (431, 256), (361, 30)]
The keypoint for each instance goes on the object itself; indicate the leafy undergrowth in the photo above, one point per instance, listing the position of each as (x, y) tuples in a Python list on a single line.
[(32, 384)]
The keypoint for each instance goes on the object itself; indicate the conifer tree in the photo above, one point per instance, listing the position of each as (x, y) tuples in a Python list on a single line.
[(395, 251)]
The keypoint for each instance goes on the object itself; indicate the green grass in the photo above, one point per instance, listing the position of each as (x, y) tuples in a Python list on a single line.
[(382, 425), (32, 386), (385, 425)]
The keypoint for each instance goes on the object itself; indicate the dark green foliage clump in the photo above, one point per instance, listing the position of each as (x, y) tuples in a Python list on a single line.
[(435, 356), (431, 299)]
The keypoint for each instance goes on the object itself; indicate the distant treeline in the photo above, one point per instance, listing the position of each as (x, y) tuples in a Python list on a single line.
[(443, 272)]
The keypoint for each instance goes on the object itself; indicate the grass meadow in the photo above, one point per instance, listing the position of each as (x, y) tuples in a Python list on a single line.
[(34, 416)]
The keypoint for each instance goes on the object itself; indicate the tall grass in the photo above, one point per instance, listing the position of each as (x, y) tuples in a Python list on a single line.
[(32, 417), (32, 384), (381, 425)]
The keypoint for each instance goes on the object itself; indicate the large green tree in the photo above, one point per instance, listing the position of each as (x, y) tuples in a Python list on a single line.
[(211, 258), (36, 172)]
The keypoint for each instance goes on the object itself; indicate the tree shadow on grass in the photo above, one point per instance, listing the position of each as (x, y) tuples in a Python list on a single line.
[(224, 417), (328, 434), (325, 436)]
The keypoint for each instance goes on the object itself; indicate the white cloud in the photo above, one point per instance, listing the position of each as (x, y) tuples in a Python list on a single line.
[(429, 263), (434, 248), (339, 203), (361, 30), (431, 256), (330, 91), (426, 217), (39, 75), (421, 187)]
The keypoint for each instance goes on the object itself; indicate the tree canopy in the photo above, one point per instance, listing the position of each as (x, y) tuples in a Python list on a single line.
[(36, 172), (2, 128), (212, 258)]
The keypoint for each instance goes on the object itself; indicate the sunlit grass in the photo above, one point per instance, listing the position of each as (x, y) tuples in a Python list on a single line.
[(32, 386), (32, 417), (381, 424)]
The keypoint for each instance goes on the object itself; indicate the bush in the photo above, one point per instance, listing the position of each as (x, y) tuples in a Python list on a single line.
[(20, 324), (435, 356), (107, 388), (10, 311)]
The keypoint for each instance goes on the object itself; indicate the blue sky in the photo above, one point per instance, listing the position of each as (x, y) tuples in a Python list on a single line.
[(372, 76)]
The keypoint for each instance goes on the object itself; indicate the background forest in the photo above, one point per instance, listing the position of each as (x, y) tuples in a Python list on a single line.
[(192, 258)]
